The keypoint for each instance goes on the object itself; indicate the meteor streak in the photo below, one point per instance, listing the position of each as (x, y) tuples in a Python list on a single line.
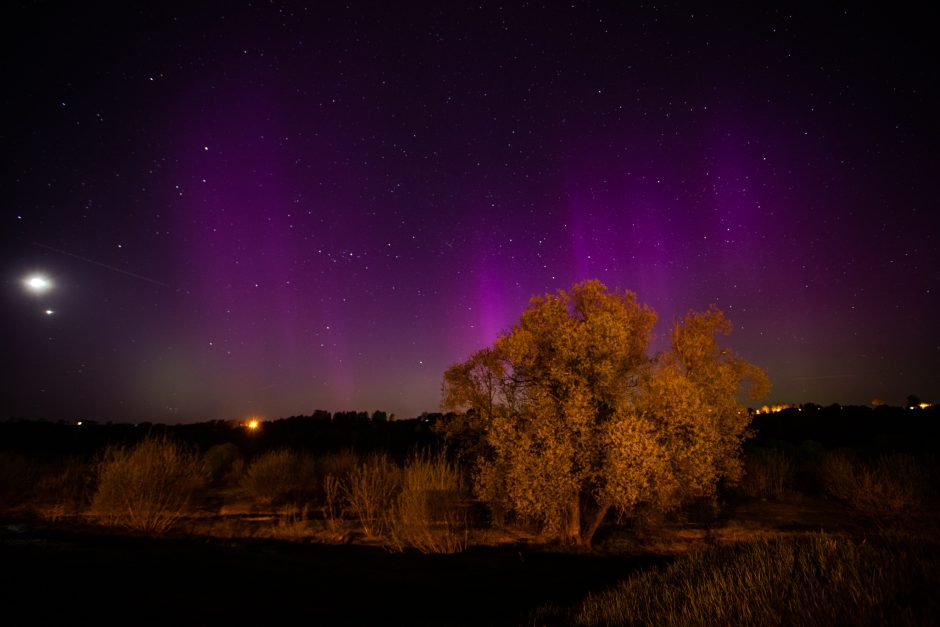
[(103, 265)]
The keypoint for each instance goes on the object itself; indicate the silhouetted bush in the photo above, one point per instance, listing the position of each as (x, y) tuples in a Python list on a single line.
[(427, 514), (17, 475), (66, 489), (768, 474), (281, 476), (338, 464), (147, 487), (333, 498), (334, 470), (837, 475), (224, 464), (892, 485)]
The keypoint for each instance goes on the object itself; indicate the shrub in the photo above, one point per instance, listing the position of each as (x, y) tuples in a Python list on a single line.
[(427, 513), (224, 464), (17, 475), (837, 476), (66, 489), (334, 470), (813, 580), (893, 485), (280, 477), (332, 501), (370, 489), (147, 487), (339, 464), (768, 474)]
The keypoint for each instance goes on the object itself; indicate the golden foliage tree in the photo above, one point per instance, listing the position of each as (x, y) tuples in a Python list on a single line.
[(573, 417)]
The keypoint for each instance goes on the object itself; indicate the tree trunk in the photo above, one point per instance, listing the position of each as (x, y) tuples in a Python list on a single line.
[(573, 530), (595, 522)]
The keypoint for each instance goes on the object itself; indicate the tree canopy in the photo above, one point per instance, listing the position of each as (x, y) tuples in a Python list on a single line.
[(571, 415)]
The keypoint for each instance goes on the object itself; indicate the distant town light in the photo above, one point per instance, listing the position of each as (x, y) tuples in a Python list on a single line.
[(773, 409)]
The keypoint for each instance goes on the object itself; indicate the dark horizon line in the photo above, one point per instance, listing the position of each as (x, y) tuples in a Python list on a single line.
[(393, 418)]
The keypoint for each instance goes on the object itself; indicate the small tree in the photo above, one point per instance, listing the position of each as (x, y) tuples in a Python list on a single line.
[(573, 416)]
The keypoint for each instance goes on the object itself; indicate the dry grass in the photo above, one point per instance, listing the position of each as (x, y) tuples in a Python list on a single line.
[(292, 524), (768, 474), (891, 486), (332, 502), (335, 469), (66, 490), (17, 475), (810, 580), (427, 513), (281, 477), (224, 464), (369, 491), (148, 487), (339, 464)]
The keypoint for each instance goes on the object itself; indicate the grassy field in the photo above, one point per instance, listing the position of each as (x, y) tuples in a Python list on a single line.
[(160, 532), (82, 576), (816, 579)]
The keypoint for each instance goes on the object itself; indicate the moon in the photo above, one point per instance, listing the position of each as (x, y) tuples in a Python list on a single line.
[(37, 283)]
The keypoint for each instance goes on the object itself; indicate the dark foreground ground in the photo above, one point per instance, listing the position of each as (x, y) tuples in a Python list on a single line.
[(50, 576)]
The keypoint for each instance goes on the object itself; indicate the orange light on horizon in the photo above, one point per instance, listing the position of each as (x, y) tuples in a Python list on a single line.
[(253, 424), (773, 409)]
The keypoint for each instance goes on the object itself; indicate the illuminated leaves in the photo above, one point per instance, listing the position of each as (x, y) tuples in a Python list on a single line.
[(573, 415)]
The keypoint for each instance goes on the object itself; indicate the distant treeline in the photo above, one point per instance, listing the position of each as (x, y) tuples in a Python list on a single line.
[(882, 428), (319, 432)]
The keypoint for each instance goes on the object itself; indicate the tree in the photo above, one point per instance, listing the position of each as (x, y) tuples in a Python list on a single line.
[(573, 417)]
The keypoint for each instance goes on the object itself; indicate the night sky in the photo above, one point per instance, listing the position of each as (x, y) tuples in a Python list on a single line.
[(261, 208)]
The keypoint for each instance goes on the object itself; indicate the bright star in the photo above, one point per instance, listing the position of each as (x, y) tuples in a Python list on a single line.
[(49, 312)]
